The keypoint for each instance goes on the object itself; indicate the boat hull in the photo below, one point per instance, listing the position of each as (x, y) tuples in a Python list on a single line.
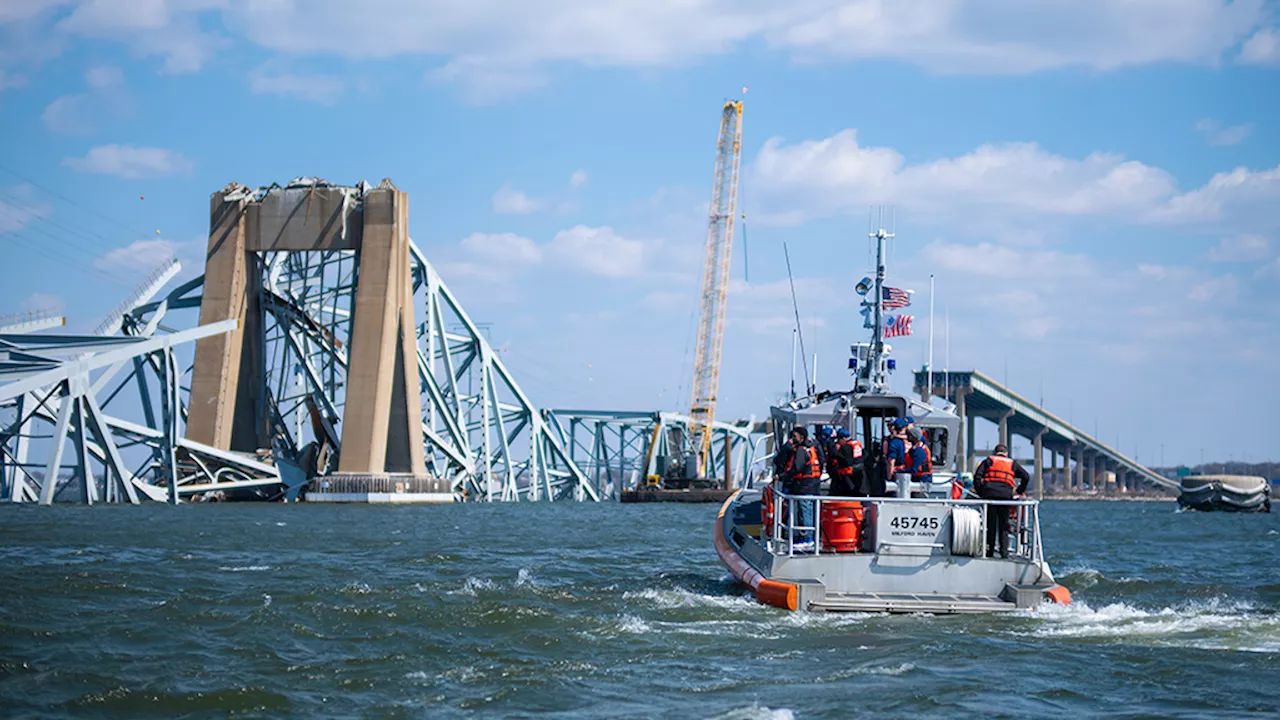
[(874, 581), (1225, 493)]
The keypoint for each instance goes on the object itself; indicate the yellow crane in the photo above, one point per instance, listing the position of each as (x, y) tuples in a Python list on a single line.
[(715, 282)]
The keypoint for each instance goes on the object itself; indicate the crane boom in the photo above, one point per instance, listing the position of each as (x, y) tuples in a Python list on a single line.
[(715, 280)]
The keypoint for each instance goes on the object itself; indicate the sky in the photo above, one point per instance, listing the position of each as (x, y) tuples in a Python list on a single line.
[(1093, 185)]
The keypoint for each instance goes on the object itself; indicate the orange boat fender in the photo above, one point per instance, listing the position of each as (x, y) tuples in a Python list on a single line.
[(1059, 594), (778, 594), (770, 592)]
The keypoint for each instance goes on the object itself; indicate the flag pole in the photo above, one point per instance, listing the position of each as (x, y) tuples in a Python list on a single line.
[(930, 372)]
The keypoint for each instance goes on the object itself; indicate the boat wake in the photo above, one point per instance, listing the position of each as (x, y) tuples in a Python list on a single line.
[(1211, 625)]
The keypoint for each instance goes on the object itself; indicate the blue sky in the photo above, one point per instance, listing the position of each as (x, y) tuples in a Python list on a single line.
[(1094, 184)]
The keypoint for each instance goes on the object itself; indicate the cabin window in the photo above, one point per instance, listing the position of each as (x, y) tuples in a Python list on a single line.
[(938, 444)]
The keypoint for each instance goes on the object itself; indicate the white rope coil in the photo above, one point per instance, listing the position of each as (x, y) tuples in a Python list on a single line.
[(966, 532)]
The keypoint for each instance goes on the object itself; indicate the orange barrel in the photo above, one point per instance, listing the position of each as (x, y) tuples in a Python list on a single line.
[(766, 511), (842, 525)]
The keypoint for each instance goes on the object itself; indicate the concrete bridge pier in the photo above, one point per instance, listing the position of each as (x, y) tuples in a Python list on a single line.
[(381, 427)]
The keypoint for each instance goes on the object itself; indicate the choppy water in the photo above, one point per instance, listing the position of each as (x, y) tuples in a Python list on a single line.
[(600, 611)]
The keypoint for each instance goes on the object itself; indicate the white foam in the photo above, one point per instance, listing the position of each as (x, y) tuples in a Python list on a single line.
[(1213, 624), (756, 711), (681, 598), (416, 675), (634, 625), (245, 568), (524, 577), (473, 586)]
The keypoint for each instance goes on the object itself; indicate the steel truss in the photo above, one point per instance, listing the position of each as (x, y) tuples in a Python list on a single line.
[(480, 430), (60, 388), (120, 398), (620, 449)]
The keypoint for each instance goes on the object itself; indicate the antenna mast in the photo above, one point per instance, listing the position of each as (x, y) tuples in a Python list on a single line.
[(715, 281), (875, 373)]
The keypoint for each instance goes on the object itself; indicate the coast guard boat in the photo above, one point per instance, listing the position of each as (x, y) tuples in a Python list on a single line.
[(917, 548)]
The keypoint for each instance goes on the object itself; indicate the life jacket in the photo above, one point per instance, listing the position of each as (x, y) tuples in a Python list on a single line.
[(957, 490), (766, 511), (857, 453), (1000, 470), (815, 468), (925, 467)]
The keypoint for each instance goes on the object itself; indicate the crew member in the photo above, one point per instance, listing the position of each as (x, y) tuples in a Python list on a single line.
[(919, 463), (803, 476), (782, 458), (895, 449), (846, 466), (999, 477)]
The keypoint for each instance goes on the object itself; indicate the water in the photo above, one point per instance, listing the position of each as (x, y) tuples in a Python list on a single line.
[(600, 611)]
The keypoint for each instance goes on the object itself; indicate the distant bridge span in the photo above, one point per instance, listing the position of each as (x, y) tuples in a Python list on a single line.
[(1078, 459)]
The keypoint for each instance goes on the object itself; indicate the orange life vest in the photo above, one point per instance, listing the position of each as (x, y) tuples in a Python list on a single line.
[(1000, 470), (926, 467), (815, 468), (857, 453), (766, 511)]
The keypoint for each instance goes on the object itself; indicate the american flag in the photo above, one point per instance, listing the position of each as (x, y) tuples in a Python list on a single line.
[(896, 325), (894, 299)]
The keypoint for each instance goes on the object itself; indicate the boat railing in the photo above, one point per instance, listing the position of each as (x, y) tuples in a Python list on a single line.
[(780, 536)]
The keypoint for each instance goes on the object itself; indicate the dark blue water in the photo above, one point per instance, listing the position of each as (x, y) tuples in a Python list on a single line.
[(600, 611)]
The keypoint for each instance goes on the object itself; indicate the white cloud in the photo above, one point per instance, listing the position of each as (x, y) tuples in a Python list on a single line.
[(579, 179), (146, 255), (836, 174), (1217, 135), (1009, 183), (1263, 48), (503, 249), (765, 308), (509, 201), (169, 29), (38, 301), (321, 89), (1013, 37), (76, 114), (493, 49), (1241, 196), (599, 251), (1241, 248), (130, 162)]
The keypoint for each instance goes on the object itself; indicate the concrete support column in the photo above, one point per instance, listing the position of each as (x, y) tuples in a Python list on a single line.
[(382, 419), (1004, 430), (1079, 474), (1039, 460), (226, 381)]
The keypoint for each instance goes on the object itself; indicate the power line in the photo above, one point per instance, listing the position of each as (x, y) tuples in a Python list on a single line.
[(57, 194)]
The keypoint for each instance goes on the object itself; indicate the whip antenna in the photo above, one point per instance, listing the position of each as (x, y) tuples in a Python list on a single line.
[(799, 332)]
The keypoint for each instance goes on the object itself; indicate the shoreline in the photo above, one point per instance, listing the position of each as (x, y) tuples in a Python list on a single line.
[(1114, 498)]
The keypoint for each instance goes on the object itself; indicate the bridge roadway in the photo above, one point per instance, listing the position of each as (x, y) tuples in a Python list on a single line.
[(1077, 460)]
